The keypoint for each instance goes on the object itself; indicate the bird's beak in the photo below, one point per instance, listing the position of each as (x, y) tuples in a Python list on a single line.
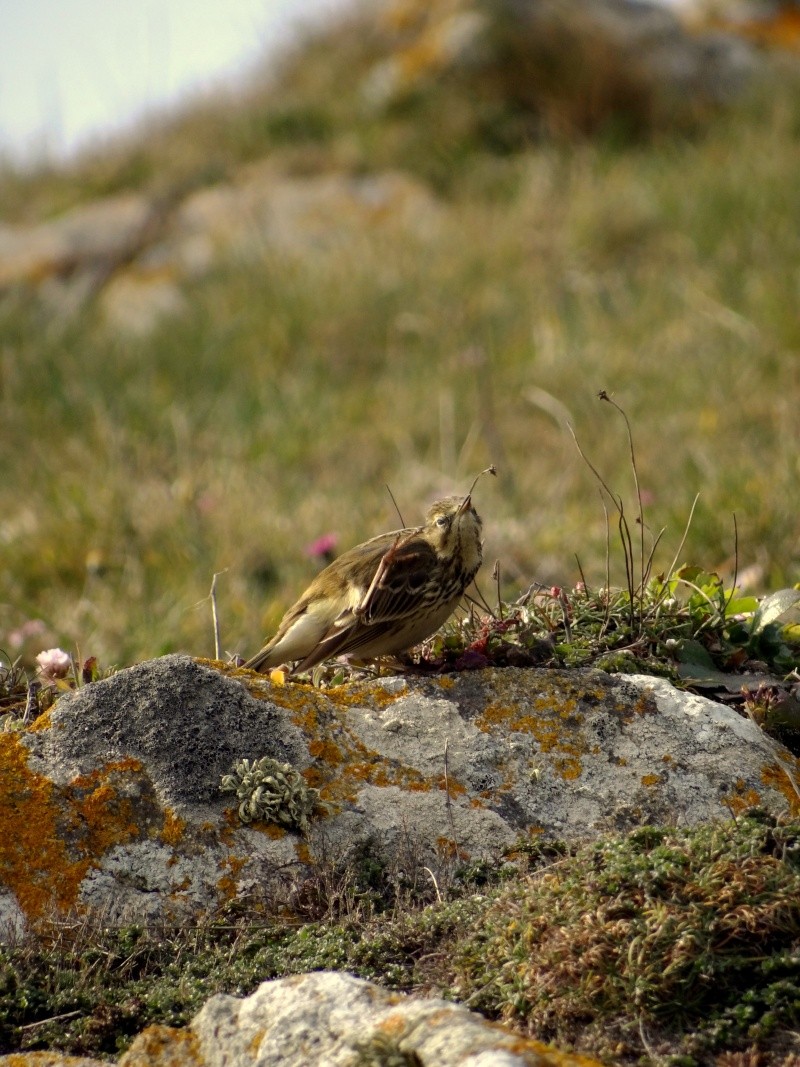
[(466, 504)]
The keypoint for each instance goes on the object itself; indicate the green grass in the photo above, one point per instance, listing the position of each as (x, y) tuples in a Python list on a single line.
[(294, 389)]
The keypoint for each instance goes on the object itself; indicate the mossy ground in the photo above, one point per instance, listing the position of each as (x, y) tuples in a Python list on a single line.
[(665, 945)]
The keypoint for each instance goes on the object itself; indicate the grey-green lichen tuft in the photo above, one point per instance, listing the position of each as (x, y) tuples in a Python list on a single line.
[(271, 792)]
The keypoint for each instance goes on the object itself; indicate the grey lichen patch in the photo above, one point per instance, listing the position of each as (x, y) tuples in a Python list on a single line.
[(271, 792)]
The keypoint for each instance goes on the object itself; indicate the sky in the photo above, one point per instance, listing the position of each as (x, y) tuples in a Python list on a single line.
[(71, 70)]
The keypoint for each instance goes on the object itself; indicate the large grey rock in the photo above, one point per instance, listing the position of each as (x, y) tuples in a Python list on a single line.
[(112, 799), (335, 1020)]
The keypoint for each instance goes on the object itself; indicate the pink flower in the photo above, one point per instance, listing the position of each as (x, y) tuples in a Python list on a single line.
[(323, 546), (54, 663)]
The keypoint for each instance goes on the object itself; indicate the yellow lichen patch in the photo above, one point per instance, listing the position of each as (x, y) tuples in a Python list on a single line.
[(50, 836), (373, 695), (42, 722), (786, 779), (105, 817), (376, 771), (445, 846), (453, 787), (173, 829), (741, 797), (255, 1042), (527, 1048), (303, 701), (231, 823), (302, 852), (226, 883), (29, 848), (313, 777), (536, 719), (326, 751), (394, 1025), (509, 715), (164, 1045), (446, 682), (307, 704), (545, 1055), (644, 703), (650, 780), (552, 719), (271, 829), (569, 767)]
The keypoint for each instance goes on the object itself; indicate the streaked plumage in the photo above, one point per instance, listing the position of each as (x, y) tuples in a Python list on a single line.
[(385, 595)]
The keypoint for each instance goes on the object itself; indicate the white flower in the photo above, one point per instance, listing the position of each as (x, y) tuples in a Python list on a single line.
[(54, 663)]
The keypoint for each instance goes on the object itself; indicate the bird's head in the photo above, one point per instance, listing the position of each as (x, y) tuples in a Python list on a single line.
[(451, 521), (453, 525)]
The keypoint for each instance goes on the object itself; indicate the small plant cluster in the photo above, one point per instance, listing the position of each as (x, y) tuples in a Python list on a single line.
[(270, 791), (22, 699), (684, 621)]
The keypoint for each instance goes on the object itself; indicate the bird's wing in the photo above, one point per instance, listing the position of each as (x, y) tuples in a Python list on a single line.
[(392, 594), (401, 575)]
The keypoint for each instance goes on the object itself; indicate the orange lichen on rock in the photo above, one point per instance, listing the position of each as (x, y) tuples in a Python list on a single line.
[(303, 853), (446, 846), (569, 767), (741, 797), (451, 785), (372, 696), (254, 1044), (173, 829), (41, 722), (650, 780), (376, 771), (50, 835), (555, 729), (786, 779), (226, 883), (271, 829), (327, 751), (164, 1045)]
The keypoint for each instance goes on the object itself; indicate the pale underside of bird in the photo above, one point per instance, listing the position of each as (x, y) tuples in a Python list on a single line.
[(383, 596)]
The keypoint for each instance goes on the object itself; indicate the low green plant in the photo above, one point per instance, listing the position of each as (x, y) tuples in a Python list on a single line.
[(691, 933)]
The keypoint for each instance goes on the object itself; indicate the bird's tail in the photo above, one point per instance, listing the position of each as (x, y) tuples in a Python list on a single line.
[(262, 661)]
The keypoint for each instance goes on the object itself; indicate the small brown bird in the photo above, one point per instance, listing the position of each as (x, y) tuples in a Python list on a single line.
[(384, 596)]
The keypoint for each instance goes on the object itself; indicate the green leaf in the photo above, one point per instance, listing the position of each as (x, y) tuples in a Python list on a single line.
[(742, 605), (773, 607), (692, 652)]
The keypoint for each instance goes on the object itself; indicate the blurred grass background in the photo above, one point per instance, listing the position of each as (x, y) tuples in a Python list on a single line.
[(656, 259)]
